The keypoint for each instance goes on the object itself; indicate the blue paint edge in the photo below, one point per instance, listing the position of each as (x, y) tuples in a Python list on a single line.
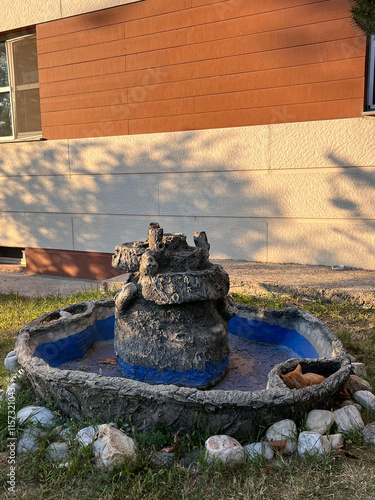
[(261, 331), (188, 378), (76, 346)]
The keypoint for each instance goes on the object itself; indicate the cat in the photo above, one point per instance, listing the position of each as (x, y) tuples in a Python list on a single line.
[(298, 380)]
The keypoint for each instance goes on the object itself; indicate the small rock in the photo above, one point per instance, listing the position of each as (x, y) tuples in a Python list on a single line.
[(366, 399), (161, 458), (355, 383), (29, 440), (319, 421), (11, 362), (111, 446), (259, 450), (57, 452), (312, 443), (348, 419), (224, 449), (191, 460), (65, 465), (65, 435), (13, 389), (369, 433), (359, 369), (336, 441), (285, 429), (350, 402), (65, 314), (37, 415), (338, 267), (86, 436)]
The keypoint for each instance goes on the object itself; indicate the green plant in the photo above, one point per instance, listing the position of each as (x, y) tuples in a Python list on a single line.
[(363, 13)]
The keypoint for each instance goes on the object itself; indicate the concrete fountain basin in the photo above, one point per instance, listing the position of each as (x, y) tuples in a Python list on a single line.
[(75, 329)]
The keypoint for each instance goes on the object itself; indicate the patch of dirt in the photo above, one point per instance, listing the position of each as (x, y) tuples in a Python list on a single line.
[(258, 278)]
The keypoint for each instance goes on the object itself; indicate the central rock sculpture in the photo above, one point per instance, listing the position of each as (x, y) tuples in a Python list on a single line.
[(171, 317)]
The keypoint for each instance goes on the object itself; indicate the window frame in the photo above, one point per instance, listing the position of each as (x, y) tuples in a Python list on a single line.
[(370, 104), (12, 89)]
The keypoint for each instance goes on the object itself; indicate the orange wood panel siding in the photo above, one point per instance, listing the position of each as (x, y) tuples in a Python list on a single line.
[(166, 65), (83, 265)]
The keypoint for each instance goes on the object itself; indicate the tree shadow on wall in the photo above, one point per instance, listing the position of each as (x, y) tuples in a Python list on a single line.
[(92, 194)]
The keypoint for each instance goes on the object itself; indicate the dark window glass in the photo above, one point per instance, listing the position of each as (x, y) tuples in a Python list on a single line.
[(5, 115), (4, 81)]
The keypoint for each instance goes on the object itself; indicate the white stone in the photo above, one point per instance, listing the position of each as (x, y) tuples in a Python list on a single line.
[(369, 433), (224, 449), (65, 434), (37, 415), (348, 419), (11, 362), (111, 446), (86, 436), (259, 450), (13, 389), (366, 399), (284, 429), (326, 443), (29, 440), (57, 452), (319, 421), (312, 443), (65, 314), (359, 369), (350, 402), (336, 441)]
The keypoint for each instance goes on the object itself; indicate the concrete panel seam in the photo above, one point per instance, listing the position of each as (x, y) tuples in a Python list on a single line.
[(158, 194), (269, 149), (322, 220), (69, 169), (72, 232)]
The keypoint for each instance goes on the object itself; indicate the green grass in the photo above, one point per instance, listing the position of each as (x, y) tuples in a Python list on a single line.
[(336, 476)]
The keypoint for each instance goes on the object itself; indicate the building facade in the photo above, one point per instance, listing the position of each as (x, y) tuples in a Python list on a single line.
[(251, 120)]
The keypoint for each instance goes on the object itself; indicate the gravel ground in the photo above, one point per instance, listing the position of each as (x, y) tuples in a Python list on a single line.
[(250, 277)]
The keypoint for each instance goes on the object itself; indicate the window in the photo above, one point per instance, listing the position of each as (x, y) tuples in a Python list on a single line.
[(19, 89), (371, 76)]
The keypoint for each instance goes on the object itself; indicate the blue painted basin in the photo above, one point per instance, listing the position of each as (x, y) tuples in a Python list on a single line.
[(255, 348)]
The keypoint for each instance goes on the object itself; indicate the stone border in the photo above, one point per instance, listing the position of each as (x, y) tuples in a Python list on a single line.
[(232, 412)]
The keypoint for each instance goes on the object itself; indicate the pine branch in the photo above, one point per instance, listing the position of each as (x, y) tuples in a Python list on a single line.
[(363, 14)]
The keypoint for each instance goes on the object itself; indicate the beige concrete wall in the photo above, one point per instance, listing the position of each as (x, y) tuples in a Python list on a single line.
[(22, 13), (302, 192)]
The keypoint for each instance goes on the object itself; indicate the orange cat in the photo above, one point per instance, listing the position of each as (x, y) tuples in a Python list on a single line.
[(298, 380)]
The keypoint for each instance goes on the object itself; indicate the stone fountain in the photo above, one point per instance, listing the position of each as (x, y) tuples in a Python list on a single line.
[(169, 329), (172, 316)]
